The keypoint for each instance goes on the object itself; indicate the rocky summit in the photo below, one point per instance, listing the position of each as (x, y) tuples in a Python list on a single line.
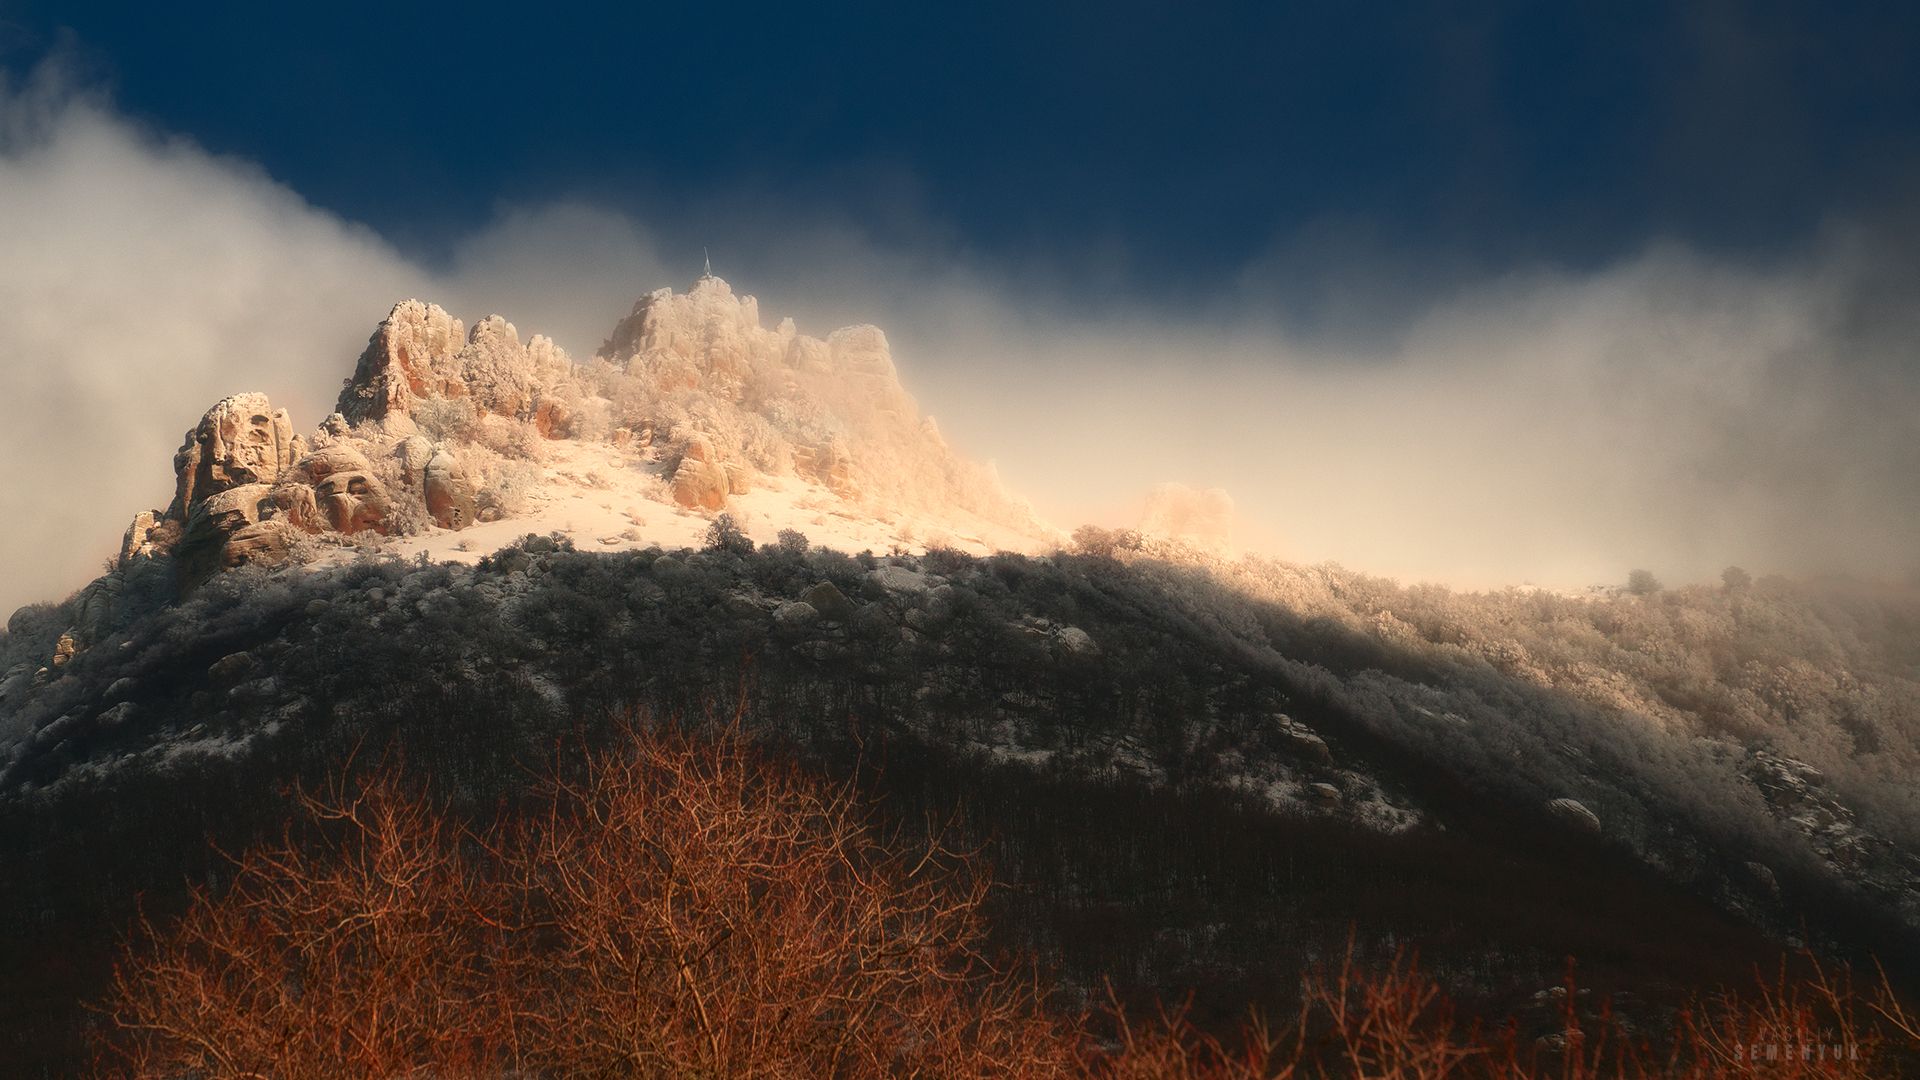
[(691, 403)]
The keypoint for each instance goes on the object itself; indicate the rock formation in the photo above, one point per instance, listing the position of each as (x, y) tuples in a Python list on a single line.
[(1573, 812), (409, 358), (700, 480), (245, 487), (690, 388), (830, 411), (224, 475), (421, 354), (349, 497), (243, 439), (448, 495)]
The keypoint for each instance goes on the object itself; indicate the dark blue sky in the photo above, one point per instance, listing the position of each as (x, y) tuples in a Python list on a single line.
[(1152, 143)]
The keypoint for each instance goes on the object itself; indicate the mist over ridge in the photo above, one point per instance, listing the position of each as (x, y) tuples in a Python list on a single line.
[(1673, 410)]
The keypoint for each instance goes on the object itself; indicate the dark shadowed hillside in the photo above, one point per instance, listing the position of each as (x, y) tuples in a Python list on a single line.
[(1189, 775)]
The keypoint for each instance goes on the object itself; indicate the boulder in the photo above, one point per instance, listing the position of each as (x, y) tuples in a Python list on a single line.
[(795, 615), (899, 580), (1075, 641), (413, 453), (345, 489), (829, 601), (700, 484), (552, 417), (296, 504), (1304, 741), (1575, 813), (231, 669), (449, 495), (1763, 876)]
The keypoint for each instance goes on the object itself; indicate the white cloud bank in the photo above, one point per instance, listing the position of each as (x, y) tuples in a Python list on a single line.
[(1672, 412)]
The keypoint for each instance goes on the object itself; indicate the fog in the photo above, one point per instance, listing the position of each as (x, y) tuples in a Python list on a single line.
[(1674, 411)]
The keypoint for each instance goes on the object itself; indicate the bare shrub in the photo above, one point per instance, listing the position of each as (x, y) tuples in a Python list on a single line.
[(444, 419), (715, 914), (354, 954), (684, 908), (510, 438)]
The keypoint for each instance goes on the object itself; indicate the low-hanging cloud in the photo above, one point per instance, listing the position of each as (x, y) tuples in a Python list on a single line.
[(1673, 411)]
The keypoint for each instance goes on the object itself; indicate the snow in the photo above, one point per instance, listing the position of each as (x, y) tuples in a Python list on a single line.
[(605, 498)]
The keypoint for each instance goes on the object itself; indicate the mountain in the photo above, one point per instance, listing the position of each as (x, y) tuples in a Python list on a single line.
[(1195, 769)]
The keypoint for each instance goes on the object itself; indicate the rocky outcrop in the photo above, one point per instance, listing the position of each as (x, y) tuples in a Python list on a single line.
[(830, 410), (1573, 812), (138, 540), (700, 480), (243, 439), (224, 511), (830, 465), (410, 358), (229, 529), (1801, 799), (862, 364), (422, 354), (349, 497), (511, 379), (449, 495), (705, 339), (690, 387)]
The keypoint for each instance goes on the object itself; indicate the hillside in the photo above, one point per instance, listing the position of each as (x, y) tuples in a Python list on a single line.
[(1194, 770)]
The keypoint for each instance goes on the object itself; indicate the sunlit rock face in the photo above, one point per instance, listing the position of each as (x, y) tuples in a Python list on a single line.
[(243, 439), (224, 477), (421, 354), (1203, 518), (691, 401), (700, 480), (245, 487), (449, 495), (705, 339), (740, 400), (350, 498), (513, 379), (410, 358)]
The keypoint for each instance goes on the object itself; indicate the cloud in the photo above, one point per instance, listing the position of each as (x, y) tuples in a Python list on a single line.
[(141, 279), (1672, 410)]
